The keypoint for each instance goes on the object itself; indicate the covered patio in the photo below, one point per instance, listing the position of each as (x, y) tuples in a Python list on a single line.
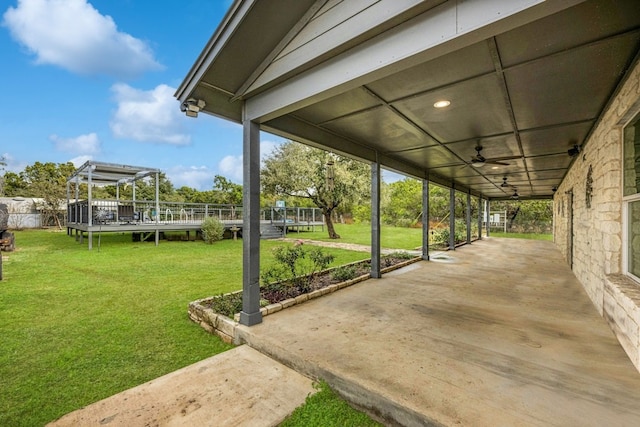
[(466, 94), (499, 333)]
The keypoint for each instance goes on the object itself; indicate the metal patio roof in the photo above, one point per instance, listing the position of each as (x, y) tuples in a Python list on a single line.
[(100, 174), (527, 87)]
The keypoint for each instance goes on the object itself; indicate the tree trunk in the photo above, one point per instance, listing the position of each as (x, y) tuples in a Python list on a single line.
[(329, 222)]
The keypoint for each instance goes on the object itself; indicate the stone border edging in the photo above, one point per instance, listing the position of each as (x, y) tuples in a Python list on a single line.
[(225, 327)]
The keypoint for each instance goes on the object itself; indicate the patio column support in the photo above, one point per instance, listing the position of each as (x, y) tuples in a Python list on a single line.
[(89, 207), (375, 220), (468, 218), (250, 314), (425, 219), (487, 210), (452, 219), (157, 208), (479, 218)]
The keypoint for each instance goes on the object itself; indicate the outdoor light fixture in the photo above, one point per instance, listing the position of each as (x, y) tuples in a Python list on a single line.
[(191, 107), (574, 151), (442, 104)]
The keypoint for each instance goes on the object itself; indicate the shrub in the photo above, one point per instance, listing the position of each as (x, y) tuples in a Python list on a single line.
[(344, 273), (296, 265), (212, 229)]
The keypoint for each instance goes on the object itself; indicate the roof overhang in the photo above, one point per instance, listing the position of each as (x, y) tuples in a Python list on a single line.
[(527, 81), (102, 174)]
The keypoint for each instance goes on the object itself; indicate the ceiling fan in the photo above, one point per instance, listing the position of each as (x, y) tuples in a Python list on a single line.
[(479, 160), (505, 183)]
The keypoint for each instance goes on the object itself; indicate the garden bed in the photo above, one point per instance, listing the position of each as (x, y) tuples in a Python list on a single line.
[(220, 314)]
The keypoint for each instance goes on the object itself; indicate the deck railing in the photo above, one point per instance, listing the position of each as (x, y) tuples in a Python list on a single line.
[(146, 211)]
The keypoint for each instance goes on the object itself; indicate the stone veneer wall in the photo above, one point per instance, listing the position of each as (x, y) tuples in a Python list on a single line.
[(597, 231)]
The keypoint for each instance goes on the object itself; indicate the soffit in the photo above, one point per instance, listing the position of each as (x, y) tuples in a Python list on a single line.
[(525, 95)]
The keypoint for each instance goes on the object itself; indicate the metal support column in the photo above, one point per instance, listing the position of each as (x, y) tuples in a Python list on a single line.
[(157, 208), (89, 208), (468, 217), (479, 218), (250, 314), (452, 218), (487, 213), (425, 219), (375, 220)]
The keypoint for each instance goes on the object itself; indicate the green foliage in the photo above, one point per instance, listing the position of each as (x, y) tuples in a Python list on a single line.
[(212, 229), (344, 273), (361, 213), (404, 206), (296, 265), (328, 180), (326, 409), (227, 304), (527, 216)]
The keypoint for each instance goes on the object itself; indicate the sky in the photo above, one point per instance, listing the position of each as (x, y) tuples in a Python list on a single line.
[(94, 80)]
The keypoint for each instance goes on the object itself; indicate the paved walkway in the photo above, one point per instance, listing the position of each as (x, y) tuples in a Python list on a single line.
[(497, 333), (240, 387)]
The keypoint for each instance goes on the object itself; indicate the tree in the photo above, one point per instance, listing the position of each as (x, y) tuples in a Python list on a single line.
[(328, 180), (227, 192), (3, 163), (403, 206), (47, 181)]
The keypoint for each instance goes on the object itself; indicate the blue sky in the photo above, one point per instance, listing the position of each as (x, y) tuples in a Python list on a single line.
[(94, 80), (74, 71)]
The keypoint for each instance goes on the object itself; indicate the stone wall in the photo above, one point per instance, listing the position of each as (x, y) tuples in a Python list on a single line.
[(597, 229)]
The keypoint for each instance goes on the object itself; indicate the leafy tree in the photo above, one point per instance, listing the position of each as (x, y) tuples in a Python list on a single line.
[(328, 180), (227, 192), (47, 181), (403, 206)]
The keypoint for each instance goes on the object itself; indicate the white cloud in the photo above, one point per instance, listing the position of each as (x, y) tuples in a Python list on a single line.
[(73, 35), (148, 116), (198, 177), (84, 144), (231, 166), (80, 160), (12, 165)]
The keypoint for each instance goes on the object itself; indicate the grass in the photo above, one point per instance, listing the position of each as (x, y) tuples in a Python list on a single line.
[(326, 409), (531, 236), (79, 325), (391, 237)]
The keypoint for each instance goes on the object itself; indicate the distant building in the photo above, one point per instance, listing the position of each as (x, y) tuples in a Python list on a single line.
[(22, 212)]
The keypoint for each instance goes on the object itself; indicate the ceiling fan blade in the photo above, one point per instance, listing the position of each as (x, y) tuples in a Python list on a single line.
[(495, 162)]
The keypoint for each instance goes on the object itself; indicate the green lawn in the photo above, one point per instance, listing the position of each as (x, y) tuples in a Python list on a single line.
[(391, 237), (79, 325)]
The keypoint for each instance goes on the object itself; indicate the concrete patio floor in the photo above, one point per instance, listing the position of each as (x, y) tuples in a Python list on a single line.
[(497, 333)]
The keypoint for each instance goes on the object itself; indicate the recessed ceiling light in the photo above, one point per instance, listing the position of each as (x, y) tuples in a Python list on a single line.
[(442, 104), (495, 167)]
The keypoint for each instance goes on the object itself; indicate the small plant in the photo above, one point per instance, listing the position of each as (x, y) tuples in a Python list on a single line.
[(344, 273), (212, 229), (227, 304), (401, 255), (296, 265)]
